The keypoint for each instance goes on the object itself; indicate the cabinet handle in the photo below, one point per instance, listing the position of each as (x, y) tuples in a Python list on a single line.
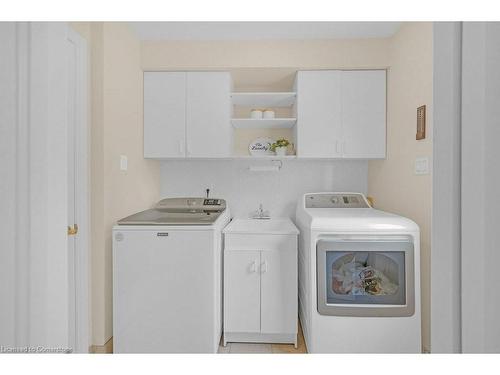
[(253, 267), (338, 148), (263, 267), (181, 146), (188, 149), (343, 148)]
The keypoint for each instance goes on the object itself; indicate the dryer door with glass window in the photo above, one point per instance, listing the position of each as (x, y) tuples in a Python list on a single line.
[(365, 277)]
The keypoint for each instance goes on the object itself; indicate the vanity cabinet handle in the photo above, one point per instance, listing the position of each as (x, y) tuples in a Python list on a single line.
[(263, 267), (253, 267)]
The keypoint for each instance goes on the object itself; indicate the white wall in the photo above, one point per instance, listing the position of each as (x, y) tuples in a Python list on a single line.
[(245, 190)]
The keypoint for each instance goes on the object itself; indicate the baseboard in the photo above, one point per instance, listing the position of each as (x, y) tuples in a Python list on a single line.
[(276, 338), (102, 349)]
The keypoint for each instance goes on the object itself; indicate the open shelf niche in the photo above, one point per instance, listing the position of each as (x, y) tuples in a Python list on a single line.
[(263, 88)]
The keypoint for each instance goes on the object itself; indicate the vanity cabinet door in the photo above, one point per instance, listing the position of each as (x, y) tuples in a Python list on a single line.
[(279, 291), (241, 291), (164, 114)]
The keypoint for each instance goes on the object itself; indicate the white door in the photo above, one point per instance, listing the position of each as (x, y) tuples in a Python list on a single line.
[(209, 130), (279, 291), (77, 172), (363, 113), (164, 114), (72, 123), (480, 186), (319, 129), (241, 291)]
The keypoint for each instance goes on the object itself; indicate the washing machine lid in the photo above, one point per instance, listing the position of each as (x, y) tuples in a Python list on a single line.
[(350, 212), (179, 211)]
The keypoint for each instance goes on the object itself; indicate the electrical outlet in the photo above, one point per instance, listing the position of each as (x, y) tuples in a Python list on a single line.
[(422, 166)]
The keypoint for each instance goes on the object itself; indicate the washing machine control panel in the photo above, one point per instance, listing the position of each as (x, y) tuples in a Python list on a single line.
[(336, 200)]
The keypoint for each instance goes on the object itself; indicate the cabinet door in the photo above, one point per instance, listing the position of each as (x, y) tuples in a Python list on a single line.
[(164, 114), (241, 291), (319, 130), (209, 131), (279, 291), (363, 114)]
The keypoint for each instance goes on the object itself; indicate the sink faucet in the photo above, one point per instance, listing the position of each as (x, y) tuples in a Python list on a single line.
[(261, 213)]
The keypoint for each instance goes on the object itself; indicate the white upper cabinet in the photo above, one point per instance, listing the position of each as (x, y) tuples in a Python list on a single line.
[(187, 114), (164, 114), (363, 114), (208, 114), (319, 128), (341, 114), (338, 114)]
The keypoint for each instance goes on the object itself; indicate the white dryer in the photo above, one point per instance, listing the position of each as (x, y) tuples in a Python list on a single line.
[(359, 276)]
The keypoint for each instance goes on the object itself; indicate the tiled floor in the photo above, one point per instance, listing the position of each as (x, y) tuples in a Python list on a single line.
[(239, 348), (246, 348)]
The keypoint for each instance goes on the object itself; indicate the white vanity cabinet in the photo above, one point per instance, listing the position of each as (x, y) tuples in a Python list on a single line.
[(341, 114), (187, 114), (260, 281)]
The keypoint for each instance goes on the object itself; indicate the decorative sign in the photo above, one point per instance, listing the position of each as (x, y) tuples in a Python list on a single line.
[(261, 146), (420, 123)]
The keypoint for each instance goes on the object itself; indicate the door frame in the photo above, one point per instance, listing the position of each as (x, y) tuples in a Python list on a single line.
[(446, 189), (82, 196)]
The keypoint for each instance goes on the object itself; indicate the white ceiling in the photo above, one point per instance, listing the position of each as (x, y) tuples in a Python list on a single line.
[(262, 30)]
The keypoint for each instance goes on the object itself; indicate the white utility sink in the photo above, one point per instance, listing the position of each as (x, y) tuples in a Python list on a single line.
[(262, 226)]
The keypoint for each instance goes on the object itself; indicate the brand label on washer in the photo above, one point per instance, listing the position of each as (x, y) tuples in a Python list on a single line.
[(162, 234)]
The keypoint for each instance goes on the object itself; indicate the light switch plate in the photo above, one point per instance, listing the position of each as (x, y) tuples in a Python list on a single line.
[(422, 166), (123, 162)]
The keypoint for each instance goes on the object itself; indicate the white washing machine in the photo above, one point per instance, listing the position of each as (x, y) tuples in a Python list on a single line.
[(359, 276), (167, 277)]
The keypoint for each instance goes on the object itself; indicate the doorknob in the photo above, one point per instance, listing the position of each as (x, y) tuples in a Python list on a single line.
[(72, 230)]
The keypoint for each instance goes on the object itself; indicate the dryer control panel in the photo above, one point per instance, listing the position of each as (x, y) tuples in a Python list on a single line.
[(336, 200)]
